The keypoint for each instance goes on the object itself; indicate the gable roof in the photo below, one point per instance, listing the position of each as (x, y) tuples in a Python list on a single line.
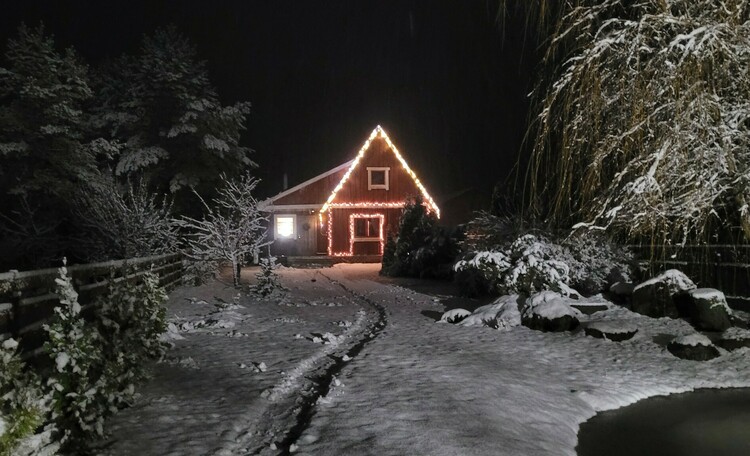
[(268, 203), (378, 131)]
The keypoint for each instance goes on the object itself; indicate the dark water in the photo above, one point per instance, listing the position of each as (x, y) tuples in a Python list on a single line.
[(705, 422)]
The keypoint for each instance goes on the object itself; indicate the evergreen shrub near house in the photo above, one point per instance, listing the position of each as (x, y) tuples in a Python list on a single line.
[(267, 278), (421, 247)]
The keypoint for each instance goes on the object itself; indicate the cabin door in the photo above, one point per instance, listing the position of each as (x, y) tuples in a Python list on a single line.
[(366, 234)]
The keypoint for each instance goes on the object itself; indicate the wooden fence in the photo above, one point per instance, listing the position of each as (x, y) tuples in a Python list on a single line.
[(724, 267), (27, 298)]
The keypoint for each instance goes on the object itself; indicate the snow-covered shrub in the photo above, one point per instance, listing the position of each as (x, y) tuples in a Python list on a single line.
[(131, 318), (197, 272), (23, 406), (536, 264), (479, 273), (267, 279), (595, 262), (80, 393)]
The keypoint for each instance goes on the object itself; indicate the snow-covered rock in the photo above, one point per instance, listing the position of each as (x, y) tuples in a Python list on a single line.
[(657, 297), (696, 347), (622, 289), (501, 314), (612, 330), (548, 311), (708, 309), (454, 315), (734, 338)]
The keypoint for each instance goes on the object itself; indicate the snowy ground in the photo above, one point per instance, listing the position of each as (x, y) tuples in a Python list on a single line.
[(393, 382)]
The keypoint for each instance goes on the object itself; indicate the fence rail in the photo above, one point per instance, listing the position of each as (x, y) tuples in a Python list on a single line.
[(27, 298)]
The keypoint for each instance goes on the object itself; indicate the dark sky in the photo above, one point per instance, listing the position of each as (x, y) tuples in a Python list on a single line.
[(442, 77)]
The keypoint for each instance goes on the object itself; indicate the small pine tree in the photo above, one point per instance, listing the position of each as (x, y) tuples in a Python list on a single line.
[(267, 278)]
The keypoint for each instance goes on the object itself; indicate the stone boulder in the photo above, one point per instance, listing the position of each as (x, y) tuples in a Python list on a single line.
[(707, 309), (734, 338), (549, 311), (614, 331), (454, 316), (695, 347), (501, 314), (662, 295)]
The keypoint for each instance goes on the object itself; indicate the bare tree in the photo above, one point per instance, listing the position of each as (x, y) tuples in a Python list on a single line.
[(232, 227)]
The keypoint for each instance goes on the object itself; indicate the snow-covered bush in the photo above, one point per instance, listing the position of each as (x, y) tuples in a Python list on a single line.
[(536, 264), (267, 279), (478, 274), (132, 318), (595, 262), (197, 272), (23, 407), (80, 393), (232, 227), (528, 265)]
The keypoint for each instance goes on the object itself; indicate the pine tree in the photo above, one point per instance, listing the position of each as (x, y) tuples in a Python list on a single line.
[(42, 158), (163, 121), (267, 280)]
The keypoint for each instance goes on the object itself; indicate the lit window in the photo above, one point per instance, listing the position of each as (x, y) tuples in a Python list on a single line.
[(285, 225), (377, 178)]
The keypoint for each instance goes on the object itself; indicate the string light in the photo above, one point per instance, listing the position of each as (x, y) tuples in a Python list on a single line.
[(378, 131)]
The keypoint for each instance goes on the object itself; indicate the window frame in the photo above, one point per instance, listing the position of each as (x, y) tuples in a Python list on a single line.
[(386, 171), (276, 218)]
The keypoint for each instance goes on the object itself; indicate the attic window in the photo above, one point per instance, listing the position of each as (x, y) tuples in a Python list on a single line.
[(377, 178)]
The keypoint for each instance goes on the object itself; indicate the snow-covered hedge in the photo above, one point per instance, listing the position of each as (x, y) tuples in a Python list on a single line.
[(533, 263)]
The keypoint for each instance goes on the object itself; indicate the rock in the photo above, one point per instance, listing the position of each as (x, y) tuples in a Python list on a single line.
[(695, 347), (501, 314), (658, 297), (613, 331), (454, 315), (548, 311), (734, 338), (707, 309), (622, 289)]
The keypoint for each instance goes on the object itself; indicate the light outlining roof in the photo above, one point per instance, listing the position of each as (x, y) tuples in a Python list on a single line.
[(378, 131)]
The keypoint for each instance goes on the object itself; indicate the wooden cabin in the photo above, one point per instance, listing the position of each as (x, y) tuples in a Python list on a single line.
[(348, 210)]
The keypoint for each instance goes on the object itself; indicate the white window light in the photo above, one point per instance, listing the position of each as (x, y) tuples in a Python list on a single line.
[(285, 226), (378, 178)]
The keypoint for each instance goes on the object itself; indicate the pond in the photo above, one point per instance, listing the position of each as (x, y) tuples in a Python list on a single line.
[(703, 422)]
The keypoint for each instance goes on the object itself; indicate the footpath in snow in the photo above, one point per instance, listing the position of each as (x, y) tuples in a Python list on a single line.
[(394, 381)]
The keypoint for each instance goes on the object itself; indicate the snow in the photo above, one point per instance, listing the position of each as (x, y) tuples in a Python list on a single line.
[(503, 314), (454, 315), (61, 360), (10, 344), (735, 334), (549, 305), (415, 388), (676, 281), (693, 340), (711, 294), (613, 327)]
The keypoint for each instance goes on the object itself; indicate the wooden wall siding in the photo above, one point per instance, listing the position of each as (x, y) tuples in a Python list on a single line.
[(379, 154), (315, 193), (305, 243)]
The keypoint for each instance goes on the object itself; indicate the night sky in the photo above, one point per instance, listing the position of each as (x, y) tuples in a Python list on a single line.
[(442, 77)]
